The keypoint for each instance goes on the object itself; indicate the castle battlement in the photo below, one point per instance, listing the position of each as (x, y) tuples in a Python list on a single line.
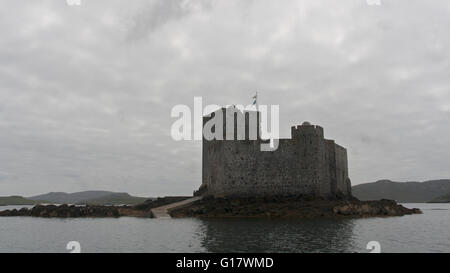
[(306, 129)]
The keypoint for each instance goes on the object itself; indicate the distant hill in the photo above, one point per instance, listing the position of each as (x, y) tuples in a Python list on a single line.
[(115, 199), (90, 197), (70, 198), (15, 200), (442, 199), (404, 192)]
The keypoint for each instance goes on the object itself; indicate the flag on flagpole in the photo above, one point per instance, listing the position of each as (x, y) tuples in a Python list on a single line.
[(255, 98)]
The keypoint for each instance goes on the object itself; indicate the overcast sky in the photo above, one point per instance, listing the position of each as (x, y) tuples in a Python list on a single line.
[(86, 91)]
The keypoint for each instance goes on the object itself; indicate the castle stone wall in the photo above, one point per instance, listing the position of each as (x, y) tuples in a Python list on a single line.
[(305, 164)]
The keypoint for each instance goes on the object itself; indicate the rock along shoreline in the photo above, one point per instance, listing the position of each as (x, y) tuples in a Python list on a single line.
[(270, 207), (92, 211), (291, 207)]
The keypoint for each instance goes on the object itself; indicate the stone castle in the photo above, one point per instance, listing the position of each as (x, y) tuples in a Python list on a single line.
[(307, 164)]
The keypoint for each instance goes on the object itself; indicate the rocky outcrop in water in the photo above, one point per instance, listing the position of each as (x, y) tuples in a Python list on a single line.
[(72, 211), (373, 208), (291, 207), (277, 207), (64, 211)]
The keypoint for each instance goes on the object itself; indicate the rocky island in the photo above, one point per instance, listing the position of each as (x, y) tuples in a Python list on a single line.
[(269, 207), (94, 211), (306, 176), (291, 207)]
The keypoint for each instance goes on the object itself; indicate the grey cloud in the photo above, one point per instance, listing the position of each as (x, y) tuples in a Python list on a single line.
[(157, 13), (86, 92)]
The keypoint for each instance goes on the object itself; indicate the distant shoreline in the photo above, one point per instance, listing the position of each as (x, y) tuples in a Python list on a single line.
[(405, 192), (77, 198)]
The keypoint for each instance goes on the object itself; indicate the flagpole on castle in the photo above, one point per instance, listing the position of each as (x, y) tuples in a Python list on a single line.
[(257, 115), (255, 102)]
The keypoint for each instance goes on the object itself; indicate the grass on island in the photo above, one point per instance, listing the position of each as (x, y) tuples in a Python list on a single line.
[(16, 201), (442, 199)]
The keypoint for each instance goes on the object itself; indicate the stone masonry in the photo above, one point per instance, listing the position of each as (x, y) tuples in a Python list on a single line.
[(306, 164)]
